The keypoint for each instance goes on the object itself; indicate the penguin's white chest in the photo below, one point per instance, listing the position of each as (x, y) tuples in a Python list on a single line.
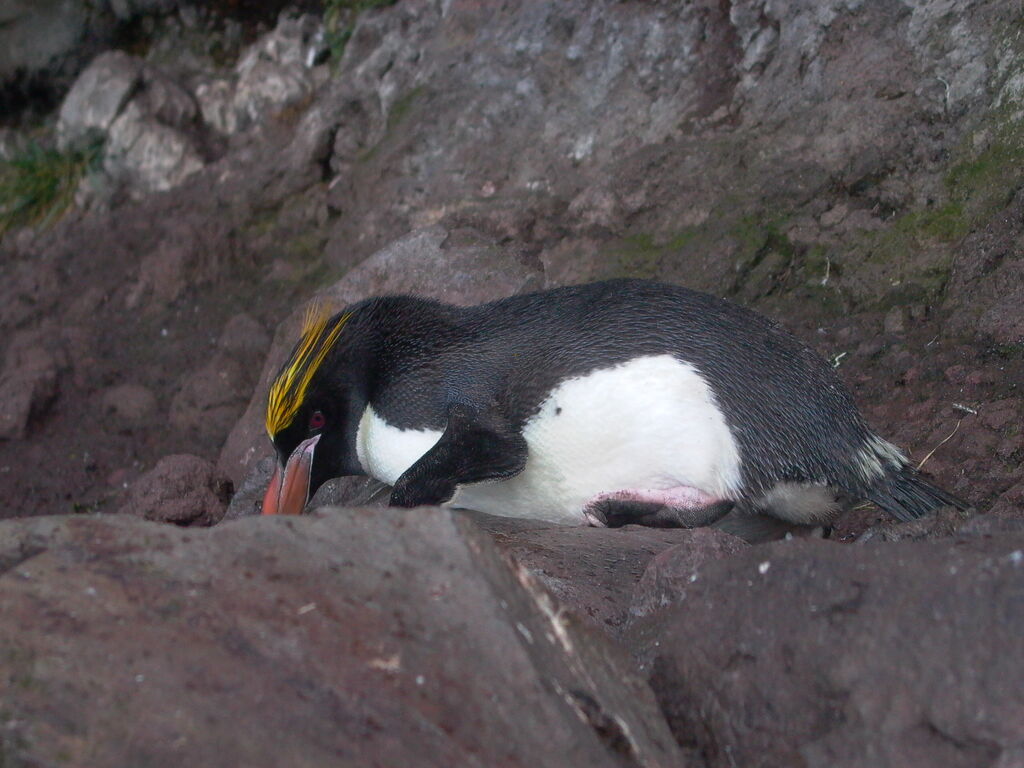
[(385, 451), (649, 424)]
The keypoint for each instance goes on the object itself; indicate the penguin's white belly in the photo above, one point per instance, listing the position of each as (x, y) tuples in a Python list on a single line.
[(649, 424)]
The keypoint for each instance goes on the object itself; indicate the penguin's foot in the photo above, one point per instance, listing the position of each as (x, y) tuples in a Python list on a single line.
[(680, 507)]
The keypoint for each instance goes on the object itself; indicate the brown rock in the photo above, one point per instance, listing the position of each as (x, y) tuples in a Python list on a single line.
[(593, 571), (131, 404), (895, 321), (244, 337), (1002, 413), (817, 654), (669, 573), (211, 399), (28, 384), (180, 489), (396, 637), (944, 522), (1011, 503)]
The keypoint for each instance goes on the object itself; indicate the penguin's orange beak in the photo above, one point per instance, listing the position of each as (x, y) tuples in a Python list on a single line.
[(288, 491)]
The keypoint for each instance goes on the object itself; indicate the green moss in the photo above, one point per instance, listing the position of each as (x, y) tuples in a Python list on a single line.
[(1008, 351), (400, 109), (983, 184), (340, 21), (38, 185), (88, 508), (758, 233), (396, 116), (764, 254), (642, 254), (945, 223), (306, 247)]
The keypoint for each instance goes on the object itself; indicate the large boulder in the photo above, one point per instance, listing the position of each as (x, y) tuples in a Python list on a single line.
[(97, 98), (39, 35), (821, 655), (272, 73), (605, 575), (346, 638), (146, 122)]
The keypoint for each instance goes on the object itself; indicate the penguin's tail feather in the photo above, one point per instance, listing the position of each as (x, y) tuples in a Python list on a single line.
[(903, 493)]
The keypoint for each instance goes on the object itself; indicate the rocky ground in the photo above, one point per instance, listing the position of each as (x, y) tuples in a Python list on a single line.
[(851, 168)]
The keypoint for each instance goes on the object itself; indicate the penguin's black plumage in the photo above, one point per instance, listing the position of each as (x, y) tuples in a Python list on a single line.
[(603, 403)]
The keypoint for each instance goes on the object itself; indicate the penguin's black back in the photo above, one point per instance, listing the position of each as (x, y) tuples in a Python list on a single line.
[(791, 417)]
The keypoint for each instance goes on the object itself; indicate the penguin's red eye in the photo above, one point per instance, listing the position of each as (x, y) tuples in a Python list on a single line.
[(317, 420)]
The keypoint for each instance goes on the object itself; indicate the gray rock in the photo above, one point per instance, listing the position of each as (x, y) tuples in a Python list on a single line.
[(395, 637), (216, 103), (166, 101), (247, 500), (35, 33), (146, 118), (97, 98), (151, 156), (180, 489), (272, 73), (818, 654), (48, 42)]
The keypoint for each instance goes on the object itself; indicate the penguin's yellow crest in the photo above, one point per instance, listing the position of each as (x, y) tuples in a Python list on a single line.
[(288, 391)]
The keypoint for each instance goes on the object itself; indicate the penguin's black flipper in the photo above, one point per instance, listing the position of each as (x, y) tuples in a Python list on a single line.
[(906, 495), (475, 446)]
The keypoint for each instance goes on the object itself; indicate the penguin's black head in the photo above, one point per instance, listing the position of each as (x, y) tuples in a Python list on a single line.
[(314, 408)]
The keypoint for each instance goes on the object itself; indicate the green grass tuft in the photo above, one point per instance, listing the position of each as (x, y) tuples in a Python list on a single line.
[(38, 185)]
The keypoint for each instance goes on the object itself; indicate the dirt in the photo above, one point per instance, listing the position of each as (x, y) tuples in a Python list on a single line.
[(133, 345)]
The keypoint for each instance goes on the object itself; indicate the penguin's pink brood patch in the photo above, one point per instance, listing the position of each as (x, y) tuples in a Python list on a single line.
[(679, 497)]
